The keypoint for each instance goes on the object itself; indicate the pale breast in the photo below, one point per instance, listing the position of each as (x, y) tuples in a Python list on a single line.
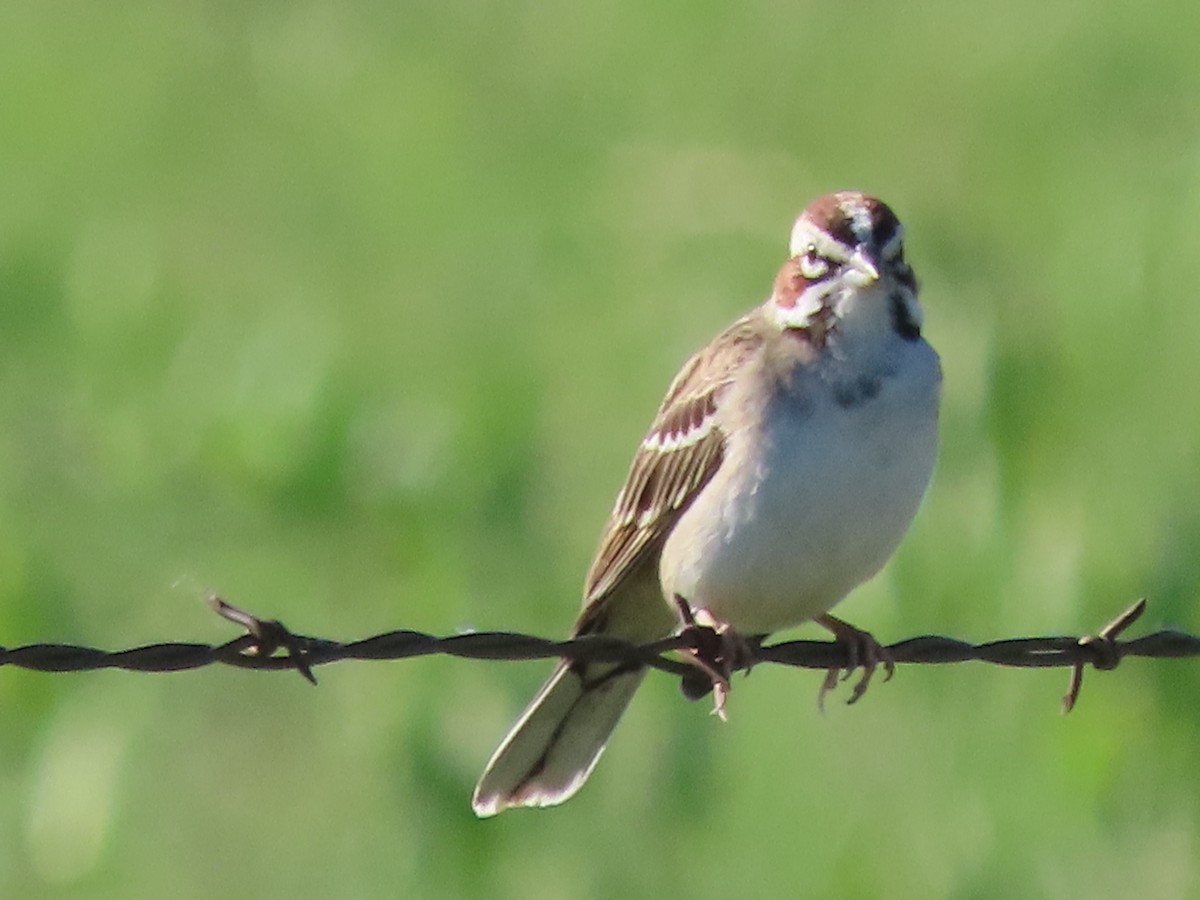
[(819, 484)]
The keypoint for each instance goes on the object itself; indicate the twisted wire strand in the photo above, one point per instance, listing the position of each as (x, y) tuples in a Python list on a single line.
[(269, 645)]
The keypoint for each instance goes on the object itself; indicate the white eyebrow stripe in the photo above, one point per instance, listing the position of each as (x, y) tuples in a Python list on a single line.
[(806, 235), (859, 215)]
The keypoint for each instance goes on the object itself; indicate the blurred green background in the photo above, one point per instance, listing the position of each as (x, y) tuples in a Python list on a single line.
[(354, 313)]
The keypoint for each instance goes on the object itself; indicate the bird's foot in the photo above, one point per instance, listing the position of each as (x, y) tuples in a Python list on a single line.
[(864, 653), (717, 651)]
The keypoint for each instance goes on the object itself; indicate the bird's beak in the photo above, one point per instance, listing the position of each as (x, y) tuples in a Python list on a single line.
[(863, 267)]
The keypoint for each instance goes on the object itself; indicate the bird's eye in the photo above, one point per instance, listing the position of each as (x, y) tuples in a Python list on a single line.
[(812, 265)]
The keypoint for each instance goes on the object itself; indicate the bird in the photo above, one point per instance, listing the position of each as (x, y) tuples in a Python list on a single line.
[(782, 469)]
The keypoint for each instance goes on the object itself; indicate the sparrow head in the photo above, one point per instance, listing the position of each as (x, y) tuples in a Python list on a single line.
[(846, 271)]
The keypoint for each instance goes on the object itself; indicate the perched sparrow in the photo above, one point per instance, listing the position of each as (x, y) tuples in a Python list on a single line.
[(781, 471)]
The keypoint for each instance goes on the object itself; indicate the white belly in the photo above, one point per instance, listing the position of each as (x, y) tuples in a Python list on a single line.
[(808, 504)]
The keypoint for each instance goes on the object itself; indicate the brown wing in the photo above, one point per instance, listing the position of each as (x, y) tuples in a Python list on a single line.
[(680, 453)]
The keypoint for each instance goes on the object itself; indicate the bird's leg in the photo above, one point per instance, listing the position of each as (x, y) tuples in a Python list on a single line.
[(863, 651), (717, 651)]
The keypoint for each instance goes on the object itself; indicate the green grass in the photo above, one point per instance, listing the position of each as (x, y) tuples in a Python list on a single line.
[(354, 313)]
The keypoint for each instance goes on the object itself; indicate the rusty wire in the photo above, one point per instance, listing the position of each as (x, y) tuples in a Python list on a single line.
[(268, 645)]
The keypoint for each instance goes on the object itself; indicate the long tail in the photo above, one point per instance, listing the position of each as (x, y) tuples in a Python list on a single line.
[(556, 743)]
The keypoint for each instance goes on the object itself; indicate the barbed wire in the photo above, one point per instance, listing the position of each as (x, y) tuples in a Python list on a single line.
[(268, 645)]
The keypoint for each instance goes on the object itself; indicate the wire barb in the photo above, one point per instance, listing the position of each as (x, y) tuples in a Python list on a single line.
[(269, 635), (1106, 652), (269, 645)]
